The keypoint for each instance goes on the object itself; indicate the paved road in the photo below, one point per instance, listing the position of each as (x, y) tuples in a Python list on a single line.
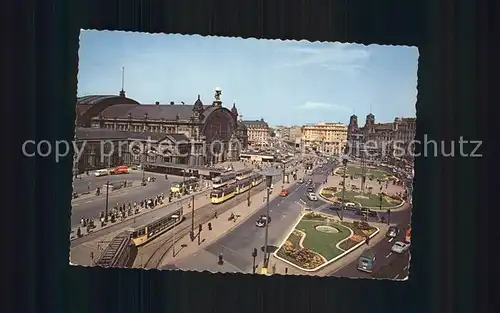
[(89, 208), (237, 245), (82, 183), (388, 265)]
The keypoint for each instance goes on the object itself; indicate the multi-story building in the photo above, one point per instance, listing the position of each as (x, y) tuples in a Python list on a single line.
[(212, 130), (258, 132), (325, 137), (381, 137)]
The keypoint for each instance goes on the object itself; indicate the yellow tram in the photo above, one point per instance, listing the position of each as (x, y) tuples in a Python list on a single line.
[(223, 194), (243, 186), (227, 192), (143, 234), (256, 179), (244, 174)]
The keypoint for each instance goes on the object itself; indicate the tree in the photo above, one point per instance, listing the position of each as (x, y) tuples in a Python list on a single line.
[(272, 132)]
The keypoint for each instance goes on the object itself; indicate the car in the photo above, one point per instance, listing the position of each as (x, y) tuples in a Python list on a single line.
[(261, 221), (309, 181), (300, 181), (392, 232), (284, 193), (310, 189), (335, 207), (400, 247), (312, 196)]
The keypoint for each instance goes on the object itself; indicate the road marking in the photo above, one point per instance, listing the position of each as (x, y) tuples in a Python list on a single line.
[(387, 256), (404, 268), (396, 277), (390, 240)]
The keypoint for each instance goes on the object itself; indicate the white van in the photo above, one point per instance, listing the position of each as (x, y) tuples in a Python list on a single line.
[(100, 173)]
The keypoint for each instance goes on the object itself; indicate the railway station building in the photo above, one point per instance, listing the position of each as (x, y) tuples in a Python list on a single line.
[(211, 133)]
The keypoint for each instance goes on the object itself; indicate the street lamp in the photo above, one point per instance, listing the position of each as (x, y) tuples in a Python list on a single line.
[(269, 174), (107, 202), (344, 162), (254, 255)]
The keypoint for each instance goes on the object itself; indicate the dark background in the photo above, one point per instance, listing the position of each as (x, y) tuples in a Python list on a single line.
[(451, 200)]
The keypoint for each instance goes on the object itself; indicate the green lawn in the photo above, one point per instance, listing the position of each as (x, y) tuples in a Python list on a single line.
[(321, 242), (353, 171), (372, 200)]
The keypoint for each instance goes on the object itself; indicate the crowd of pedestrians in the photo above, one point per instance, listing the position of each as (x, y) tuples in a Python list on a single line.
[(121, 211)]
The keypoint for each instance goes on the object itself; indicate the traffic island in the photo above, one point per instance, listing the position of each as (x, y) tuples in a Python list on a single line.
[(366, 200), (318, 240), (355, 171)]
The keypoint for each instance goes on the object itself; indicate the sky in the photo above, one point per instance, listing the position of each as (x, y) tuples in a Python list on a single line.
[(284, 82)]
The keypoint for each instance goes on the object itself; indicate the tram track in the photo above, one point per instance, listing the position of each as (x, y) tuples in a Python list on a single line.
[(201, 216)]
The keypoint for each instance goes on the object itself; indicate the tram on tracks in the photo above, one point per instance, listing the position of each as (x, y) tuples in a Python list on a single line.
[(244, 174), (156, 227), (224, 180), (224, 193)]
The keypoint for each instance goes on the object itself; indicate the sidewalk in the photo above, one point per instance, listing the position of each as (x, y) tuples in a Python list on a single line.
[(185, 248), (283, 267), (201, 199)]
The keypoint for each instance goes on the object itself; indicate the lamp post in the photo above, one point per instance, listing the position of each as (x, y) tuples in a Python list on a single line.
[(269, 181), (344, 162), (107, 202), (254, 255)]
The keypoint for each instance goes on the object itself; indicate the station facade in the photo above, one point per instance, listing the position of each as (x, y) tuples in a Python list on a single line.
[(211, 133)]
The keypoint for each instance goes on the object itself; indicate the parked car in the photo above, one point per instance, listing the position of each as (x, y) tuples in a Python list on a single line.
[(400, 247), (310, 189), (300, 181), (261, 221), (392, 232)]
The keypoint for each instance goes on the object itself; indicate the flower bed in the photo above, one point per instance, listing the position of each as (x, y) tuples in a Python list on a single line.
[(292, 252), (361, 231)]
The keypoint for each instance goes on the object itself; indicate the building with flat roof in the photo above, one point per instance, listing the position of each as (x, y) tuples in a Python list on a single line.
[(328, 138)]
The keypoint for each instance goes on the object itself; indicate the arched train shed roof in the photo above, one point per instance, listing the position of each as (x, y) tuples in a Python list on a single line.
[(96, 99)]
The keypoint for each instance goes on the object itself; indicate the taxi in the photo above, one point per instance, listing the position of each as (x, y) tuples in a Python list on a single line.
[(284, 193)]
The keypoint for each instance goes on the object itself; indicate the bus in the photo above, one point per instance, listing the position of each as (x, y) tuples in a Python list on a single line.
[(244, 174), (408, 236), (223, 180)]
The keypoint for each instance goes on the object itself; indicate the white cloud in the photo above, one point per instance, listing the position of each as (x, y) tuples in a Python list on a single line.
[(333, 57), (310, 105)]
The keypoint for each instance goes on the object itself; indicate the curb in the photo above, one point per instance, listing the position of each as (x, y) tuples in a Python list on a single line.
[(275, 254)]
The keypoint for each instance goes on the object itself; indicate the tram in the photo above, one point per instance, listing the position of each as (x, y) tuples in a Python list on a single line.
[(229, 191), (223, 193), (143, 234), (223, 180), (243, 185), (244, 174), (256, 179)]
